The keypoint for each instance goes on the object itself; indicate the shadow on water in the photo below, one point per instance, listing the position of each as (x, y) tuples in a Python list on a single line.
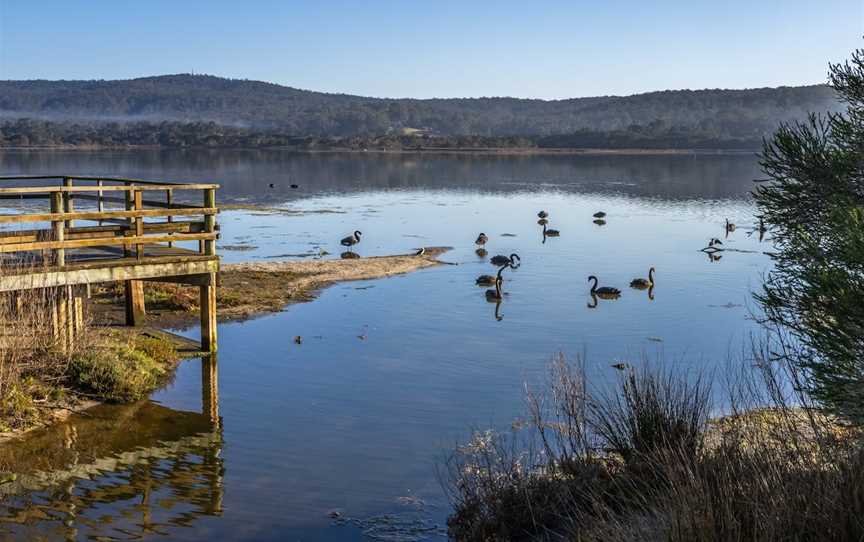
[(116, 472)]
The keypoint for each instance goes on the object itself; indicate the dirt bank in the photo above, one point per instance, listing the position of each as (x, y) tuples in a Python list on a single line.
[(249, 289)]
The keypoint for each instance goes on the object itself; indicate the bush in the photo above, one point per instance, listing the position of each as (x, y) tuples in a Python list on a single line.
[(122, 372), (643, 463)]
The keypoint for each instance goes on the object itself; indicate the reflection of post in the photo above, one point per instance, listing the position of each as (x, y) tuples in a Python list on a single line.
[(210, 388)]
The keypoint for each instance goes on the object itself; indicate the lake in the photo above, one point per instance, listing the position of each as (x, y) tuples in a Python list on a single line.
[(392, 373)]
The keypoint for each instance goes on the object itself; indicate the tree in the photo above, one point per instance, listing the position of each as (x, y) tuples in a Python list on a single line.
[(814, 208)]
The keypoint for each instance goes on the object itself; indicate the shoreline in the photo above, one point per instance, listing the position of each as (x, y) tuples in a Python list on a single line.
[(251, 289), (480, 151)]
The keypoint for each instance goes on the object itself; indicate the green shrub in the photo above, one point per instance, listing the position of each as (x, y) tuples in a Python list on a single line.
[(122, 372)]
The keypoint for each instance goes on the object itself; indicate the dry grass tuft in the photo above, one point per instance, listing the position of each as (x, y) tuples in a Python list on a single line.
[(644, 463)]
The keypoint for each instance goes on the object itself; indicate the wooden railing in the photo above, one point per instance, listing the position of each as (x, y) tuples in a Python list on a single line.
[(125, 227)]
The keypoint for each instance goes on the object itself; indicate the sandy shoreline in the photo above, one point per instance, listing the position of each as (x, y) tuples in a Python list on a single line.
[(251, 289)]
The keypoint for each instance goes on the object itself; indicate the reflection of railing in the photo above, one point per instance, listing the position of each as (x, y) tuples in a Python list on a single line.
[(122, 471), (137, 241)]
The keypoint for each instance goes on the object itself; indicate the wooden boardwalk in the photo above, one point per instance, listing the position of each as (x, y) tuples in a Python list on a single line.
[(68, 232)]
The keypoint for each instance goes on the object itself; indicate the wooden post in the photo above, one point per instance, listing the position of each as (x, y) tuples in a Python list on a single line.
[(169, 199), (208, 314), (130, 203), (139, 224), (101, 204), (61, 309), (68, 202), (135, 310), (58, 228), (78, 311), (210, 388), (69, 319), (210, 221)]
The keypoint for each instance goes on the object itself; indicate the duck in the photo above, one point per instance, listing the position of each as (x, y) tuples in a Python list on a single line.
[(504, 260), (542, 214), (481, 239), (606, 292), (730, 227), (599, 214), (295, 186), (550, 232), (620, 366), (714, 241), (641, 283), (351, 240)]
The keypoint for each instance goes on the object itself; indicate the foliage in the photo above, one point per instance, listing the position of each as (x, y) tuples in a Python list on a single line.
[(577, 473), (122, 371), (186, 110), (814, 209)]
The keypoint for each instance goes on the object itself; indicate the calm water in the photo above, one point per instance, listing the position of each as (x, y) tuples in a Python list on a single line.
[(392, 373)]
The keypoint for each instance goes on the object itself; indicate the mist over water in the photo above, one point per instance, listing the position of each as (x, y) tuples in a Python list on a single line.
[(392, 373)]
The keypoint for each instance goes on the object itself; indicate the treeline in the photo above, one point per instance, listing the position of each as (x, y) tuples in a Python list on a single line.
[(39, 133), (270, 109)]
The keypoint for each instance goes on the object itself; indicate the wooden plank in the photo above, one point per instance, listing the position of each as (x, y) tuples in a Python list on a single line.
[(95, 215), (93, 275), (93, 232), (87, 178), (107, 241), (107, 188)]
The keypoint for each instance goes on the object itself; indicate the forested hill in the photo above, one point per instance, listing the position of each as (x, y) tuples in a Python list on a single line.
[(733, 115)]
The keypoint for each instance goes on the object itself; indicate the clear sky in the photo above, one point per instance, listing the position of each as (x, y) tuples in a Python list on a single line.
[(444, 48)]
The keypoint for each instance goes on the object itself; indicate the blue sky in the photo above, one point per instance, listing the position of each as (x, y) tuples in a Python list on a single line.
[(444, 48)]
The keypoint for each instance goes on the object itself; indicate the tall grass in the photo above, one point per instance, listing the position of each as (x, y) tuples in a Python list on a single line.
[(645, 462)]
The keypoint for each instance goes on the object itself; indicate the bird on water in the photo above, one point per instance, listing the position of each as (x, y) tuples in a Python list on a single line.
[(504, 260), (481, 239), (549, 232), (542, 214), (599, 214), (605, 292), (641, 283), (351, 240)]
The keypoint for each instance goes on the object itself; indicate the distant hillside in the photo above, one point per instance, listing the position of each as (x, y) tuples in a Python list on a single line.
[(708, 115)]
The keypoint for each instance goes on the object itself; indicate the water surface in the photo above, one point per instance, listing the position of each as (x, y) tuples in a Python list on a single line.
[(392, 373)]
